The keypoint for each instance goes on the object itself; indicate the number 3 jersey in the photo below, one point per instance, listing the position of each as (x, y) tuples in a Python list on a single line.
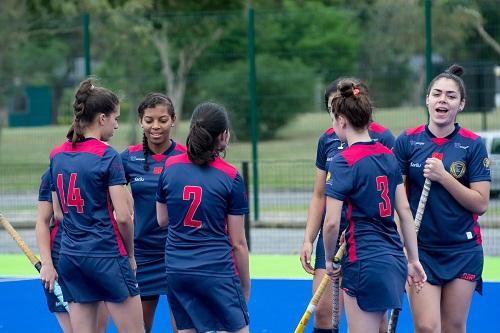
[(81, 176), (199, 199), (149, 238), (365, 177)]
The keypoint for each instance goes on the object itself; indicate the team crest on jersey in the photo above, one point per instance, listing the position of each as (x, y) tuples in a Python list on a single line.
[(457, 169), (486, 162)]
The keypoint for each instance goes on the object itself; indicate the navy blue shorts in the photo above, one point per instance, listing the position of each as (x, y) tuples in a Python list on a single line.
[(151, 275), (319, 260), (378, 283), (52, 302), (88, 279), (444, 266), (207, 303)]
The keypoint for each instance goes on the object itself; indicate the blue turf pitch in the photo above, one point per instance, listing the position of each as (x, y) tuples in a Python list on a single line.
[(275, 307)]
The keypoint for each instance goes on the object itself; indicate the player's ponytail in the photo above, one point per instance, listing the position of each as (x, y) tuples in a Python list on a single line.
[(89, 102), (353, 102), (208, 122)]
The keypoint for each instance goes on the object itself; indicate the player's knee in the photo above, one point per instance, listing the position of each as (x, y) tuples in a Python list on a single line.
[(427, 327), (323, 317), (453, 326)]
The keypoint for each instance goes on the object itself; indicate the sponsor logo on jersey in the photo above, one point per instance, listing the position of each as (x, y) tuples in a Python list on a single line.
[(458, 145), (416, 143), (341, 146), (135, 158), (457, 169), (415, 165), (486, 162), (138, 179)]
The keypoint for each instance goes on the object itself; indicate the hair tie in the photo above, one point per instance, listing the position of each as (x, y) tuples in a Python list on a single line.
[(92, 87), (355, 91)]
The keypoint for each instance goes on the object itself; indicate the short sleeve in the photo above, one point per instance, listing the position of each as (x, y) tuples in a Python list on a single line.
[(479, 163), (116, 173), (401, 152), (339, 180), (125, 158), (321, 154), (387, 139), (238, 203), (161, 193), (44, 191)]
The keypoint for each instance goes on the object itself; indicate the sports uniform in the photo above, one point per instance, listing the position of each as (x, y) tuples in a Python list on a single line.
[(365, 177), (449, 239), (204, 290), (329, 145), (44, 194), (93, 263), (149, 238)]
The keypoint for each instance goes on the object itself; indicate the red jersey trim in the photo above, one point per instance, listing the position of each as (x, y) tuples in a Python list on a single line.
[(92, 146)]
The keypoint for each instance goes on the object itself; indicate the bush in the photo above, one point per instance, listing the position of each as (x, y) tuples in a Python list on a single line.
[(285, 88)]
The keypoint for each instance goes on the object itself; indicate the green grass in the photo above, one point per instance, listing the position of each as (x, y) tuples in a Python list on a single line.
[(29, 147), (261, 266)]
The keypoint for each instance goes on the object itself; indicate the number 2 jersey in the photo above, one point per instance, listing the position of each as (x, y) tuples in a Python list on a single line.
[(365, 177), (149, 238), (81, 176), (199, 199), (445, 224)]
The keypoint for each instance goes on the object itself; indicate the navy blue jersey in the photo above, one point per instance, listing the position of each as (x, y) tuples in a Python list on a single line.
[(45, 194), (198, 200), (329, 145), (445, 223), (81, 177), (365, 176), (149, 238)]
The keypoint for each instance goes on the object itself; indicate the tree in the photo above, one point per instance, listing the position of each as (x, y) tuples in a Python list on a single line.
[(285, 89)]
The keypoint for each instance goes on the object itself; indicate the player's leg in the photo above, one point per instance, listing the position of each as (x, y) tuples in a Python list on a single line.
[(83, 317), (359, 321), (384, 323), (149, 304), (455, 304), (64, 321), (323, 312), (102, 318), (127, 315), (426, 308)]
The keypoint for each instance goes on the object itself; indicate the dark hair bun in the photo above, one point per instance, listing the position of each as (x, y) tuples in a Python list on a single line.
[(455, 70), (345, 88)]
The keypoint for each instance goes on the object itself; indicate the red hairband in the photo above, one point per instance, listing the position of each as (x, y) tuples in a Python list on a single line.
[(355, 91)]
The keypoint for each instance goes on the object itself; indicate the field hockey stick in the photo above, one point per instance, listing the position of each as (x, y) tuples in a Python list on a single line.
[(393, 321), (336, 290), (317, 295), (31, 256)]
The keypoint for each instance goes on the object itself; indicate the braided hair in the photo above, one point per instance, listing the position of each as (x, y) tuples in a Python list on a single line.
[(89, 102)]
